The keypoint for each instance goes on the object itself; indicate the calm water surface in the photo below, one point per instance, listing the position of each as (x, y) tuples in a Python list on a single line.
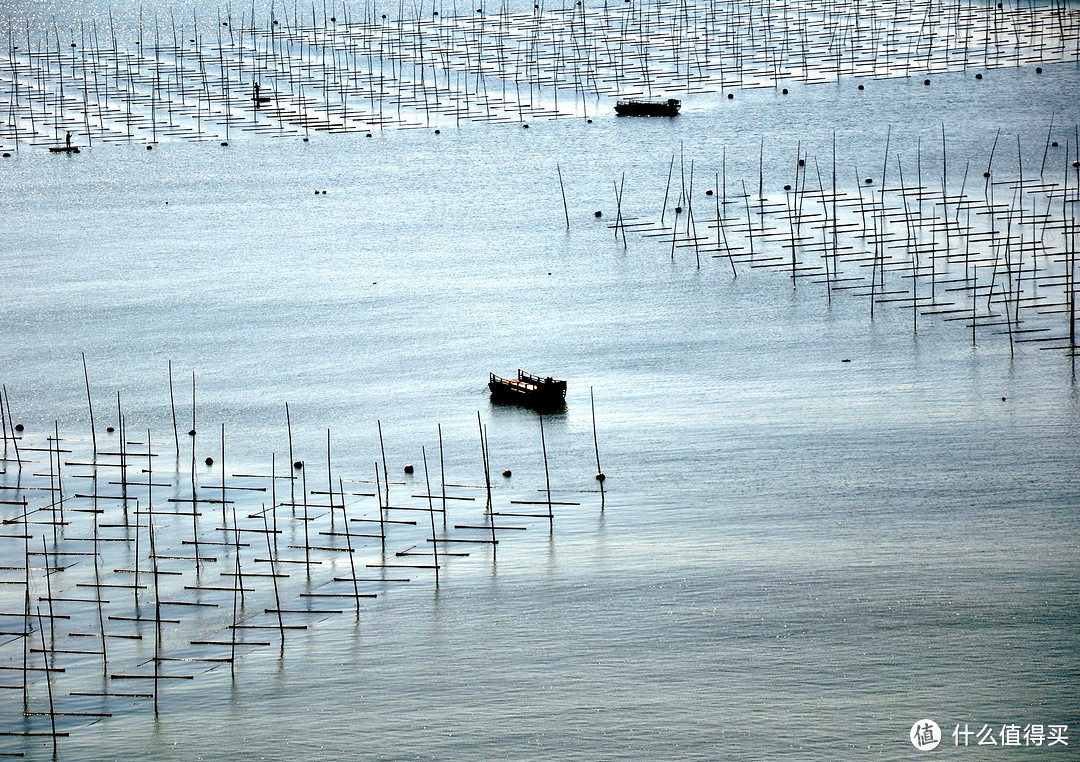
[(797, 556)]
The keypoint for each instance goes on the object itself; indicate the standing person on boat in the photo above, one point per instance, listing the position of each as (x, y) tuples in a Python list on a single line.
[(68, 141)]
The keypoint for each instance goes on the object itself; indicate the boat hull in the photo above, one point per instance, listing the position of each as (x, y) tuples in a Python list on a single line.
[(528, 391), (670, 107)]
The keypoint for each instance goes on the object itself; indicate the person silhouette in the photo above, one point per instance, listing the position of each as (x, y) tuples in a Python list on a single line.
[(68, 141)]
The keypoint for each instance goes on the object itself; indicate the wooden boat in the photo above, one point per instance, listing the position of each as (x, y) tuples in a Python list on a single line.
[(528, 390), (63, 149), (669, 107)]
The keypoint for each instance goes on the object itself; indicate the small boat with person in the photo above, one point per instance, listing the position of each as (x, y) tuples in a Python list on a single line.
[(66, 148), (648, 107), (528, 390)]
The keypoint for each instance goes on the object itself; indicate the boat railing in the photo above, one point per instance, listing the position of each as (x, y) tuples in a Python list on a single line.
[(529, 378)]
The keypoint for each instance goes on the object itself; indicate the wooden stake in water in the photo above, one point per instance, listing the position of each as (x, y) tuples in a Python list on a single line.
[(348, 544), (224, 520), (386, 476), (442, 473), (330, 484), (378, 496), (600, 477), (273, 576), (48, 587), (238, 586), (89, 405), (172, 405), (566, 211), (292, 463), (153, 556), (194, 495), (307, 543), (431, 513), (487, 482), (547, 477), (48, 677), (11, 422)]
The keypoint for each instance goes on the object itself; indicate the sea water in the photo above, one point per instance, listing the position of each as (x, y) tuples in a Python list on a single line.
[(795, 555)]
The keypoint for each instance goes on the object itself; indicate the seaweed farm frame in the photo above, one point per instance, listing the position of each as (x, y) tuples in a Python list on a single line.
[(350, 68), (135, 562)]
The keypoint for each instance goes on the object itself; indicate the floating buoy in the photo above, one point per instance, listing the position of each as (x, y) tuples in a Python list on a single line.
[(524, 126), (600, 477), (333, 18), (869, 180), (861, 87), (926, 82), (368, 135), (1002, 399), (708, 192), (845, 360), (787, 187), (298, 464), (598, 214), (191, 433), (7, 155), (224, 142), (110, 429), (149, 148), (18, 427), (316, 193), (506, 473), (209, 461), (588, 121), (986, 174), (324, 193), (409, 468), (1054, 144), (784, 91), (802, 162), (1038, 70), (678, 210), (1076, 163), (305, 140), (729, 95), (437, 132), (978, 76)]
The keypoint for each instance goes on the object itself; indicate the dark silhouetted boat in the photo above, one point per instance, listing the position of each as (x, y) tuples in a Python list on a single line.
[(528, 390), (669, 107)]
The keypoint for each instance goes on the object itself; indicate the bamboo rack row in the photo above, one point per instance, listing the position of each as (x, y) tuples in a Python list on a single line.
[(989, 250), (120, 552), (350, 68)]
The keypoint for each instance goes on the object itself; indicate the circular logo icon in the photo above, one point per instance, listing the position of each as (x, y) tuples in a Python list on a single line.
[(925, 735)]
